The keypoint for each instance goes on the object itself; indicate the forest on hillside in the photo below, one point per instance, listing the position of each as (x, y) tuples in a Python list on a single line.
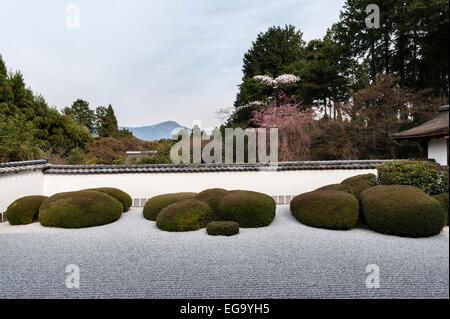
[(338, 97)]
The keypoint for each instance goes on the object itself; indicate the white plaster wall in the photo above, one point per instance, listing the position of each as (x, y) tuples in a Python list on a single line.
[(437, 150), (150, 184), (13, 186)]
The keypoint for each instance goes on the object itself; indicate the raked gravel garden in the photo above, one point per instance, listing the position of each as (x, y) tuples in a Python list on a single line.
[(383, 236), (132, 258)]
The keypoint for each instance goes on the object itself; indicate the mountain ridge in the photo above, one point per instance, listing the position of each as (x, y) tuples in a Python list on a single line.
[(155, 131)]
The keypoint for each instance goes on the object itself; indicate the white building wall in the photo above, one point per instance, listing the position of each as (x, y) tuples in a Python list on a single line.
[(13, 186), (437, 150), (147, 185)]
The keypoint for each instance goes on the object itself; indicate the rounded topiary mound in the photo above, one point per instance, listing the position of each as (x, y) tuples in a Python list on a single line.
[(184, 215), (24, 210), (443, 200), (212, 197), (402, 210), (118, 194), (155, 204), (222, 228), (355, 185), (329, 209), (79, 209), (248, 209), (332, 187)]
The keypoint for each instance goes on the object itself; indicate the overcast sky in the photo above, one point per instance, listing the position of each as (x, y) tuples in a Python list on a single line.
[(153, 60)]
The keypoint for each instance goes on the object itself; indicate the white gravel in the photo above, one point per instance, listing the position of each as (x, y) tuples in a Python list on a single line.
[(131, 258)]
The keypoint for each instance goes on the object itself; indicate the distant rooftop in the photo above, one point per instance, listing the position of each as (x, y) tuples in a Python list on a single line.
[(438, 126)]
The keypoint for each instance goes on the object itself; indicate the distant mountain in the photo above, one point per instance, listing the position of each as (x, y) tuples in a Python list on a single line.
[(155, 132)]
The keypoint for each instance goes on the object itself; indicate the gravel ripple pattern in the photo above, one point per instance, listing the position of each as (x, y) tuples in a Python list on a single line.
[(132, 258)]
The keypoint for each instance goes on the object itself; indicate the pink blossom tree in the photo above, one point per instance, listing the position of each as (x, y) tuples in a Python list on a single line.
[(294, 126)]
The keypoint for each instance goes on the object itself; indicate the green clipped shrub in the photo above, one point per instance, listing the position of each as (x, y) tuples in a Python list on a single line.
[(443, 200), (248, 209), (355, 185), (118, 194), (402, 210), (79, 209), (329, 209), (428, 176), (332, 187), (222, 228), (24, 210), (184, 215), (212, 197), (155, 204)]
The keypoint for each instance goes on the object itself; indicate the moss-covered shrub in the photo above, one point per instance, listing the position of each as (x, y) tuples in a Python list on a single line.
[(329, 209), (184, 215), (332, 187), (155, 204), (118, 194), (402, 210), (79, 209), (24, 210), (355, 185), (428, 176), (222, 228), (248, 209), (443, 200), (212, 197)]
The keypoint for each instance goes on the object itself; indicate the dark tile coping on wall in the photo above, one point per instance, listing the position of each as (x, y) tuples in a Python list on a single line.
[(47, 168)]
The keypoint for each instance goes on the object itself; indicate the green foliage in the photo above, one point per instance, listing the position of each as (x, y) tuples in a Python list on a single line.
[(331, 209), (118, 194), (443, 200), (332, 187), (107, 122), (184, 215), (403, 211), (222, 228), (24, 210), (428, 176), (212, 197), (248, 209), (158, 159), (76, 157), (81, 112), (28, 125), (355, 185), (79, 209), (155, 204), (17, 141), (273, 53)]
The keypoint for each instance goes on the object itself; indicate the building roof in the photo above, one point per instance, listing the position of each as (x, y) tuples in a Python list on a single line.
[(437, 126), (46, 168), (15, 167)]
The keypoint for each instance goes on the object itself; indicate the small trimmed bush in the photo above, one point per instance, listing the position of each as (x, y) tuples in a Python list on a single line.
[(118, 194), (24, 210), (355, 185), (402, 210), (443, 200), (184, 215), (222, 228), (155, 204), (428, 176), (79, 209), (329, 209), (247, 208), (332, 187), (212, 197)]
